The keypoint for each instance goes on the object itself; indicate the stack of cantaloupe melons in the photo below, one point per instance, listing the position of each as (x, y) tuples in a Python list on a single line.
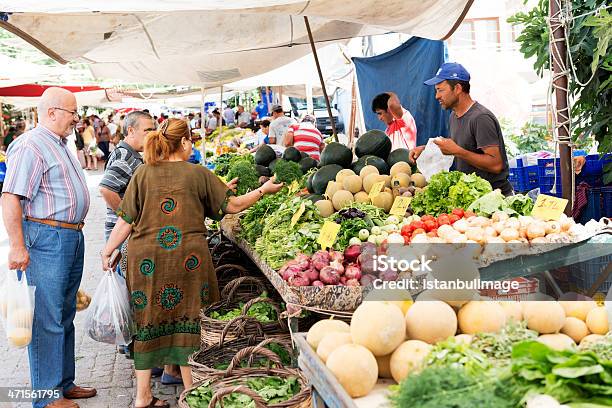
[(392, 339), (350, 187)]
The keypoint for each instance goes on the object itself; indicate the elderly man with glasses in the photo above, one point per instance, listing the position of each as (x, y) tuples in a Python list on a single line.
[(44, 202)]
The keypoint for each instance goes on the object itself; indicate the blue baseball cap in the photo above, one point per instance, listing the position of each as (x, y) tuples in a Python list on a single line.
[(449, 71)]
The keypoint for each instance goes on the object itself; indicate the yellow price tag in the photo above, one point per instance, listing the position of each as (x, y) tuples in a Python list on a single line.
[(548, 208), (376, 189), (298, 214), (328, 234), (400, 205)]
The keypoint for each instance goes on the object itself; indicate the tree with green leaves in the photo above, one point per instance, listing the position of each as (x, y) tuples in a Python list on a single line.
[(590, 81)]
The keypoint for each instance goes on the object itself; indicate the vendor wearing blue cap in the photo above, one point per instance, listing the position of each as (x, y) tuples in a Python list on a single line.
[(476, 139)]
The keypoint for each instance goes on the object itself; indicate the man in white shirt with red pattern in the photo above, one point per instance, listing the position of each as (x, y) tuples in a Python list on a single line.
[(401, 127), (305, 137)]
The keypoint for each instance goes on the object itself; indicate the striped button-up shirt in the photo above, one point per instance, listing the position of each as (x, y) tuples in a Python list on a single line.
[(40, 168)]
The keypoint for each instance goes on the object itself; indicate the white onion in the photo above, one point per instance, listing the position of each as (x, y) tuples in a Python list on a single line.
[(509, 234), (461, 225)]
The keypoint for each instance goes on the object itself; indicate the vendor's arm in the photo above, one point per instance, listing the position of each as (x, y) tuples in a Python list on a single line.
[(414, 154), (395, 106), (289, 138), (490, 160), (240, 203)]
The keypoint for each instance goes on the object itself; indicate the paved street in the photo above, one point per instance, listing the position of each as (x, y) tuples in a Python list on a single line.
[(97, 364)]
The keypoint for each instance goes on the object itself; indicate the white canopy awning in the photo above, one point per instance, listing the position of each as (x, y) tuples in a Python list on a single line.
[(209, 42), (16, 72)]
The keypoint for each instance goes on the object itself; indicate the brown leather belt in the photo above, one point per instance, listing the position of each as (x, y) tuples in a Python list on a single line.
[(59, 224)]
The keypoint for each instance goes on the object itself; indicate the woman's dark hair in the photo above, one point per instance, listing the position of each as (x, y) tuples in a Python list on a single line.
[(465, 85), (380, 101), (265, 123)]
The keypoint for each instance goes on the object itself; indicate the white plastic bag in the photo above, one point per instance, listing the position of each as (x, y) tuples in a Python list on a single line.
[(431, 160), (17, 306), (109, 317)]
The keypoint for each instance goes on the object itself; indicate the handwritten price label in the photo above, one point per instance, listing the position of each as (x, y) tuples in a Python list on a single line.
[(298, 214), (328, 234), (548, 208), (376, 189), (400, 205)]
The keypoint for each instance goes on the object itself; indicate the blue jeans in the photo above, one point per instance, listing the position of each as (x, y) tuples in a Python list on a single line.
[(56, 268)]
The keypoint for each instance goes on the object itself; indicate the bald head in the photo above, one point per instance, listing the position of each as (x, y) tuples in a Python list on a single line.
[(56, 110)]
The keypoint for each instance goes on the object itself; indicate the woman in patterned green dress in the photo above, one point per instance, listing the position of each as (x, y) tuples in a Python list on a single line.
[(170, 271)]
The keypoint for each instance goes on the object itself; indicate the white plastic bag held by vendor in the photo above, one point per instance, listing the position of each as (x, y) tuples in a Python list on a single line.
[(431, 161)]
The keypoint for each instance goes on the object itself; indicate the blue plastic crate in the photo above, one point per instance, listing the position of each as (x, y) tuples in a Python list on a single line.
[(593, 209), (583, 275), (607, 202), (546, 167), (523, 178), (594, 164), (2, 171)]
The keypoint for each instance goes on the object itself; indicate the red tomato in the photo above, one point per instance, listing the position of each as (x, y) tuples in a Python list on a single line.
[(406, 240), (417, 224), (443, 219), (430, 224), (468, 214), (454, 218), (459, 212), (406, 230), (418, 231), (427, 218)]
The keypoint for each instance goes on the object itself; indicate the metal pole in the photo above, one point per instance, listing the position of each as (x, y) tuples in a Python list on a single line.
[(316, 58), (351, 129), (202, 121), (558, 52)]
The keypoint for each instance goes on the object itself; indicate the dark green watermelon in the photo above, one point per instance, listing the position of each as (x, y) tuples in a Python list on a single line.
[(272, 165), (336, 153), (303, 155), (309, 183), (307, 163), (264, 155), (373, 143), (292, 154), (263, 170), (314, 197), (323, 176), (380, 164), (398, 155)]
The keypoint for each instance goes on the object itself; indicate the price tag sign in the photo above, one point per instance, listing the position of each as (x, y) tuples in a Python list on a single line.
[(400, 205), (376, 189), (548, 208), (298, 214), (328, 234)]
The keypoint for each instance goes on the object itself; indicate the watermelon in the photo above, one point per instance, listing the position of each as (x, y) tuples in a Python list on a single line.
[(398, 155), (323, 176), (377, 162), (303, 155), (307, 163), (264, 155), (263, 170), (373, 143), (292, 154), (336, 153), (309, 183)]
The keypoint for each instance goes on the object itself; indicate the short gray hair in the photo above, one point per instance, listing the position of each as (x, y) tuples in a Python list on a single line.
[(131, 120)]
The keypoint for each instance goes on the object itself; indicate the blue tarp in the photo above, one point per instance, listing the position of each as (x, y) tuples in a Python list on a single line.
[(403, 71)]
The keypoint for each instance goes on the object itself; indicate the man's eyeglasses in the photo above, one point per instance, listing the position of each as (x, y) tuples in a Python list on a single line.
[(73, 113)]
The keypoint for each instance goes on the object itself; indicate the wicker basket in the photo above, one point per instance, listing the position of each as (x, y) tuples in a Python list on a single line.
[(212, 329), (234, 379), (243, 289), (228, 272), (203, 361)]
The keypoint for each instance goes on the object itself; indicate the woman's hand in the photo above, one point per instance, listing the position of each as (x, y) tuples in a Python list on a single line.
[(106, 261), (233, 184), (270, 187)]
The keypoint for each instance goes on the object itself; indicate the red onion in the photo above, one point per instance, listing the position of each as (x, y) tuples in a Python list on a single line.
[(366, 262), (352, 271), (312, 274), (318, 283), (337, 256), (303, 261), (299, 280), (388, 276), (290, 271), (343, 280), (367, 279), (352, 282), (320, 259), (329, 275), (351, 253)]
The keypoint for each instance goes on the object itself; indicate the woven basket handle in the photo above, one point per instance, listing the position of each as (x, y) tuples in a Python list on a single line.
[(229, 290), (251, 302), (248, 352), (238, 325), (286, 344), (222, 392)]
